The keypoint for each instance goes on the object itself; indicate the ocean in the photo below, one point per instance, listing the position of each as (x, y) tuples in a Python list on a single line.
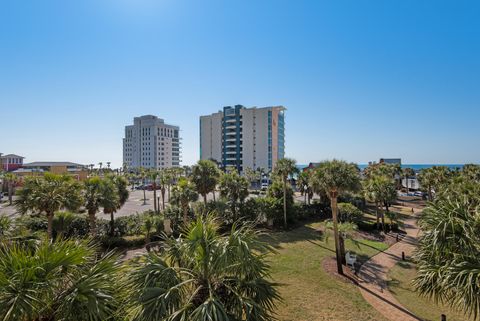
[(415, 167)]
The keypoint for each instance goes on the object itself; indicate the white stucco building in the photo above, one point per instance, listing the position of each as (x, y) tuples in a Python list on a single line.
[(150, 143), (244, 137)]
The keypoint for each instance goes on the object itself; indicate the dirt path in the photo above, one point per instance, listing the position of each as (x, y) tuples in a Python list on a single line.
[(372, 277)]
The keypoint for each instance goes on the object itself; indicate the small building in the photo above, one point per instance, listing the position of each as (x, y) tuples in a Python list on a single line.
[(11, 162), (37, 168), (393, 161), (311, 166)]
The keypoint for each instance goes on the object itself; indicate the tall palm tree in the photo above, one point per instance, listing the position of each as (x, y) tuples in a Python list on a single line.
[(163, 183), (205, 175), (93, 199), (432, 179), (117, 194), (336, 177), (407, 173), (380, 189), (143, 176), (284, 169), (253, 176), (234, 188), (182, 194), (48, 194), (304, 184), (63, 280), (108, 165), (204, 275), (110, 201), (153, 175), (11, 180)]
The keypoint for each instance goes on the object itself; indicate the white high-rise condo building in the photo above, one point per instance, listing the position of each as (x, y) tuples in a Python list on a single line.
[(150, 143), (244, 137)]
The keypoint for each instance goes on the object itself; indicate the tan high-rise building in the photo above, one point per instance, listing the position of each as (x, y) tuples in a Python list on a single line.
[(150, 143), (244, 137)]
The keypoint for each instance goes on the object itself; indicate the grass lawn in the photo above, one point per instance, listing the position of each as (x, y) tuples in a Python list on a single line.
[(401, 276), (309, 293)]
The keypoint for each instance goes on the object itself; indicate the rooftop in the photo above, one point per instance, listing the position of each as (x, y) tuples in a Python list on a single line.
[(11, 156), (50, 164)]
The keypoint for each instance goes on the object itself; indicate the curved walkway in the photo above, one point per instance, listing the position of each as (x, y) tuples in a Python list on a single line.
[(372, 277)]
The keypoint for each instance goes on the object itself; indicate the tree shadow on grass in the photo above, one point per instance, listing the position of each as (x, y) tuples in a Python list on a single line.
[(299, 234)]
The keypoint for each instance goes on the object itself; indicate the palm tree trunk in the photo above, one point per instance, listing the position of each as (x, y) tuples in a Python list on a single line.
[(185, 215), (50, 226), (144, 196), (112, 224), (383, 219), (155, 197), (10, 193), (406, 182), (93, 225), (377, 214), (342, 249), (163, 199), (333, 202), (305, 200), (214, 195), (285, 203), (205, 199)]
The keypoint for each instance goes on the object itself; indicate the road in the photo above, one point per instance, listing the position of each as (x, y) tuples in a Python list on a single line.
[(135, 203)]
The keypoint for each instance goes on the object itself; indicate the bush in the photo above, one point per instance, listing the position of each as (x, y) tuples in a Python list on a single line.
[(123, 242), (34, 223), (349, 213), (355, 200)]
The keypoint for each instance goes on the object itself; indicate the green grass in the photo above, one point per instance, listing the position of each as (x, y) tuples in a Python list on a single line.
[(309, 293), (400, 286)]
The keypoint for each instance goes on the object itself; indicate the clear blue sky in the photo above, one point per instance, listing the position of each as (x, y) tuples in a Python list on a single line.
[(361, 79)]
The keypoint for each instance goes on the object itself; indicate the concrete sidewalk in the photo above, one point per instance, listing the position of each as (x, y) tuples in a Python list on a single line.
[(372, 277)]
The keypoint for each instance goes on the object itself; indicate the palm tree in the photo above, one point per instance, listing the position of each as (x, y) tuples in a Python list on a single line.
[(205, 175), (120, 185), (110, 201), (408, 172), (108, 165), (448, 255), (380, 189), (64, 280), (48, 194), (143, 176), (304, 184), (253, 176), (182, 194), (335, 177), (163, 182), (204, 275), (432, 179), (11, 180), (93, 192), (153, 176), (284, 169), (233, 187)]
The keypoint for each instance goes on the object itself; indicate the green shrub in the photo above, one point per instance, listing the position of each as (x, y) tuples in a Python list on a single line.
[(123, 242), (348, 212)]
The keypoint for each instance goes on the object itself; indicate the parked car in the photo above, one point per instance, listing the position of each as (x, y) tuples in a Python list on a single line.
[(265, 183), (419, 194)]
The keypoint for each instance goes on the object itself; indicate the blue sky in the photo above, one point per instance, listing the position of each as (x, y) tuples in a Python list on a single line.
[(361, 79)]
